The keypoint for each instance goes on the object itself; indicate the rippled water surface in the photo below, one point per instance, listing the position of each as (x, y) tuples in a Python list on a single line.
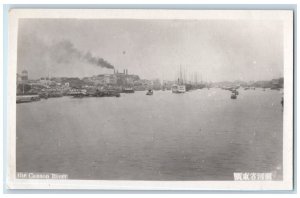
[(199, 135)]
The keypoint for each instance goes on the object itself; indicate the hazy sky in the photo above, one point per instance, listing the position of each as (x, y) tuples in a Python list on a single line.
[(217, 49)]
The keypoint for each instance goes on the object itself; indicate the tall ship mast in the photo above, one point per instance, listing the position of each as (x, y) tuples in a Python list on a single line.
[(179, 87)]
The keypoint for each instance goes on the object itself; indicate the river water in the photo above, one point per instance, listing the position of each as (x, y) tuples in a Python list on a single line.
[(199, 135)]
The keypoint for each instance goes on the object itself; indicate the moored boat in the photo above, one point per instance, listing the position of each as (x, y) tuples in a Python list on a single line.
[(233, 96), (235, 92), (107, 93), (149, 93), (178, 88), (78, 93), (27, 98), (128, 90)]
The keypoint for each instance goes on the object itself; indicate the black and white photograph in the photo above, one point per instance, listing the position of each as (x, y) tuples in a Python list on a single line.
[(151, 99)]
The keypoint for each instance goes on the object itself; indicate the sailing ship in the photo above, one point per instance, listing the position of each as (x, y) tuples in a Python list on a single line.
[(179, 87)]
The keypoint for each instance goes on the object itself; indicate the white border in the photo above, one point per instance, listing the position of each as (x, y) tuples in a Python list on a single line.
[(285, 16)]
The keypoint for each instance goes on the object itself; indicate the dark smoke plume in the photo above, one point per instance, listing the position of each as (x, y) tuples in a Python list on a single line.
[(97, 61), (64, 52)]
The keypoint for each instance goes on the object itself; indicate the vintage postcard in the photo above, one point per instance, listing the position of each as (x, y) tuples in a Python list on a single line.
[(150, 99)]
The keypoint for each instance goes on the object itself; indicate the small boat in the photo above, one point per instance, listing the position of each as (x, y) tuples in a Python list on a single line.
[(80, 95), (27, 98), (233, 96), (275, 88), (149, 93), (128, 90), (43, 95), (235, 92), (178, 88), (107, 93), (113, 93)]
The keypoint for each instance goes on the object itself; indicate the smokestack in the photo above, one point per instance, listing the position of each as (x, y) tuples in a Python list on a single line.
[(124, 71), (114, 71)]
